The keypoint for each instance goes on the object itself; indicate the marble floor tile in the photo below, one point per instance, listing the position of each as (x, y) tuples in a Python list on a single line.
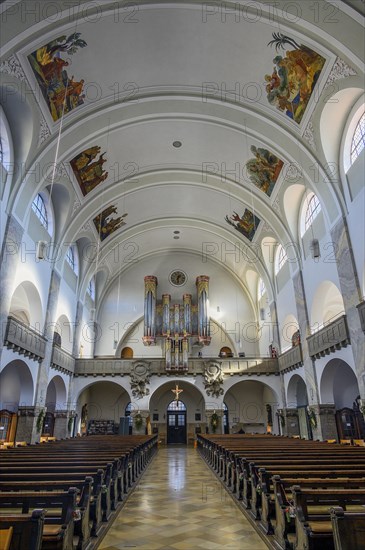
[(180, 505)]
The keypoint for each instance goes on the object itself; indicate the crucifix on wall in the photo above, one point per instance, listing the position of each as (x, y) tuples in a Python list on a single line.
[(177, 392)]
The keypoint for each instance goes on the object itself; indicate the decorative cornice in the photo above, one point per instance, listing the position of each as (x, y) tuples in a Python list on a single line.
[(12, 66), (44, 131), (308, 135), (339, 70)]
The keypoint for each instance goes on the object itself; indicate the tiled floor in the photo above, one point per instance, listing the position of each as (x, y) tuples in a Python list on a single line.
[(179, 504)]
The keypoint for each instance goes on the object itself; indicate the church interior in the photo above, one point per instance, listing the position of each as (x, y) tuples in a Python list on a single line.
[(182, 276)]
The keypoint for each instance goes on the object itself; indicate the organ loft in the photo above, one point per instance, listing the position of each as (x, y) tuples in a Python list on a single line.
[(177, 325)]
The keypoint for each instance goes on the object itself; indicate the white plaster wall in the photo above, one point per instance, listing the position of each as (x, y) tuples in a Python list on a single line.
[(224, 292), (356, 225), (286, 305)]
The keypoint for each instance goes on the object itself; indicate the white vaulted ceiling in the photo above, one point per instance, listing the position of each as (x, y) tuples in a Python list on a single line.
[(158, 72)]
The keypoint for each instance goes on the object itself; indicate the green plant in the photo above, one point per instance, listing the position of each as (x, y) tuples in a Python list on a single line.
[(138, 421), (312, 417), (214, 422), (40, 420)]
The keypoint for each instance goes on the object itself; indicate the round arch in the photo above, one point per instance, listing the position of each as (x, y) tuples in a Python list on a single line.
[(56, 396), (101, 400), (338, 384), (16, 386), (63, 328), (26, 304), (252, 405), (296, 394), (288, 327), (327, 304)]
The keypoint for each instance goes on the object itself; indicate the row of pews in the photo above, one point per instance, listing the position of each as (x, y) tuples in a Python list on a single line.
[(59, 495), (303, 495)]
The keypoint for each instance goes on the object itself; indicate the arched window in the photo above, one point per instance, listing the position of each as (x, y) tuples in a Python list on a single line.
[(225, 419), (176, 406), (71, 258), (261, 289), (127, 412), (312, 211), (91, 288), (39, 208), (281, 258), (358, 139)]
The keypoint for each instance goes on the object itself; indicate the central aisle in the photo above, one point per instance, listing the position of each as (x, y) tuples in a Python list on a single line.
[(179, 504)]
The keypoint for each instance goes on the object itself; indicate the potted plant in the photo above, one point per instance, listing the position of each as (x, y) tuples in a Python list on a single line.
[(312, 417), (40, 420), (138, 421), (214, 422)]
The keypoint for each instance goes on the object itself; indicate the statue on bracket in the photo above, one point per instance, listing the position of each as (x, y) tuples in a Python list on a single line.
[(213, 379), (140, 378)]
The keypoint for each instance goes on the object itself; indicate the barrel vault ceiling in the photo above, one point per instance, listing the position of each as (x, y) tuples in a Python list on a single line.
[(189, 117)]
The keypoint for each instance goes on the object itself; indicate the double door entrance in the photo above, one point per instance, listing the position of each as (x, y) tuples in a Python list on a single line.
[(176, 423)]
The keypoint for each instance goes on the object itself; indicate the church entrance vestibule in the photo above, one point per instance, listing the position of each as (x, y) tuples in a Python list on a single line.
[(176, 423)]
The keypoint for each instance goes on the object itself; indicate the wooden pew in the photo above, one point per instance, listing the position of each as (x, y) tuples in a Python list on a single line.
[(279, 509), (313, 524), (58, 528), (27, 529), (88, 508), (348, 529), (5, 538)]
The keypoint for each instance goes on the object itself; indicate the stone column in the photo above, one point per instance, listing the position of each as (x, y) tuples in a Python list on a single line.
[(350, 290), (44, 367), (78, 329), (291, 420), (27, 424), (274, 327), (325, 416), (61, 430), (9, 259), (308, 363)]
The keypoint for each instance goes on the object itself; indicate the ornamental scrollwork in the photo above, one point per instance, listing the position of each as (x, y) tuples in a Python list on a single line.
[(213, 379), (140, 378)]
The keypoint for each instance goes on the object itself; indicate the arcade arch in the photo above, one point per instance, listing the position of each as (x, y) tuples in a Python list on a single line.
[(252, 406)]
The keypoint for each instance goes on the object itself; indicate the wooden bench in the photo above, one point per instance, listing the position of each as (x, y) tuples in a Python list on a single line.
[(348, 529), (5, 538), (58, 528), (313, 525), (88, 506), (27, 529)]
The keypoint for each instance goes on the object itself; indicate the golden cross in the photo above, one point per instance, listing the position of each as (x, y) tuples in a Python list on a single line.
[(177, 391)]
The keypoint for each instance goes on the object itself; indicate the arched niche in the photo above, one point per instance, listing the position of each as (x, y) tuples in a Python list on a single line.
[(292, 201), (64, 329), (26, 304), (338, 384), (288, 327), (16, 386), (296, 395), (247, 402), (56, 396), (192, 398), (327, 304), (104, 400), (127, 353)]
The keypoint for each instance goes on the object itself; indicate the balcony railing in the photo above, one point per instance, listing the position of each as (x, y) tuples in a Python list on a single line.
[(330, 338), (62, 360), (291, 359), (109, 366), (24, 340), (361, 310)]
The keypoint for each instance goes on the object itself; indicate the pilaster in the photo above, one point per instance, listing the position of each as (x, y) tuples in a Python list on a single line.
[(10, 254), (44, 367), (351, 294)]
